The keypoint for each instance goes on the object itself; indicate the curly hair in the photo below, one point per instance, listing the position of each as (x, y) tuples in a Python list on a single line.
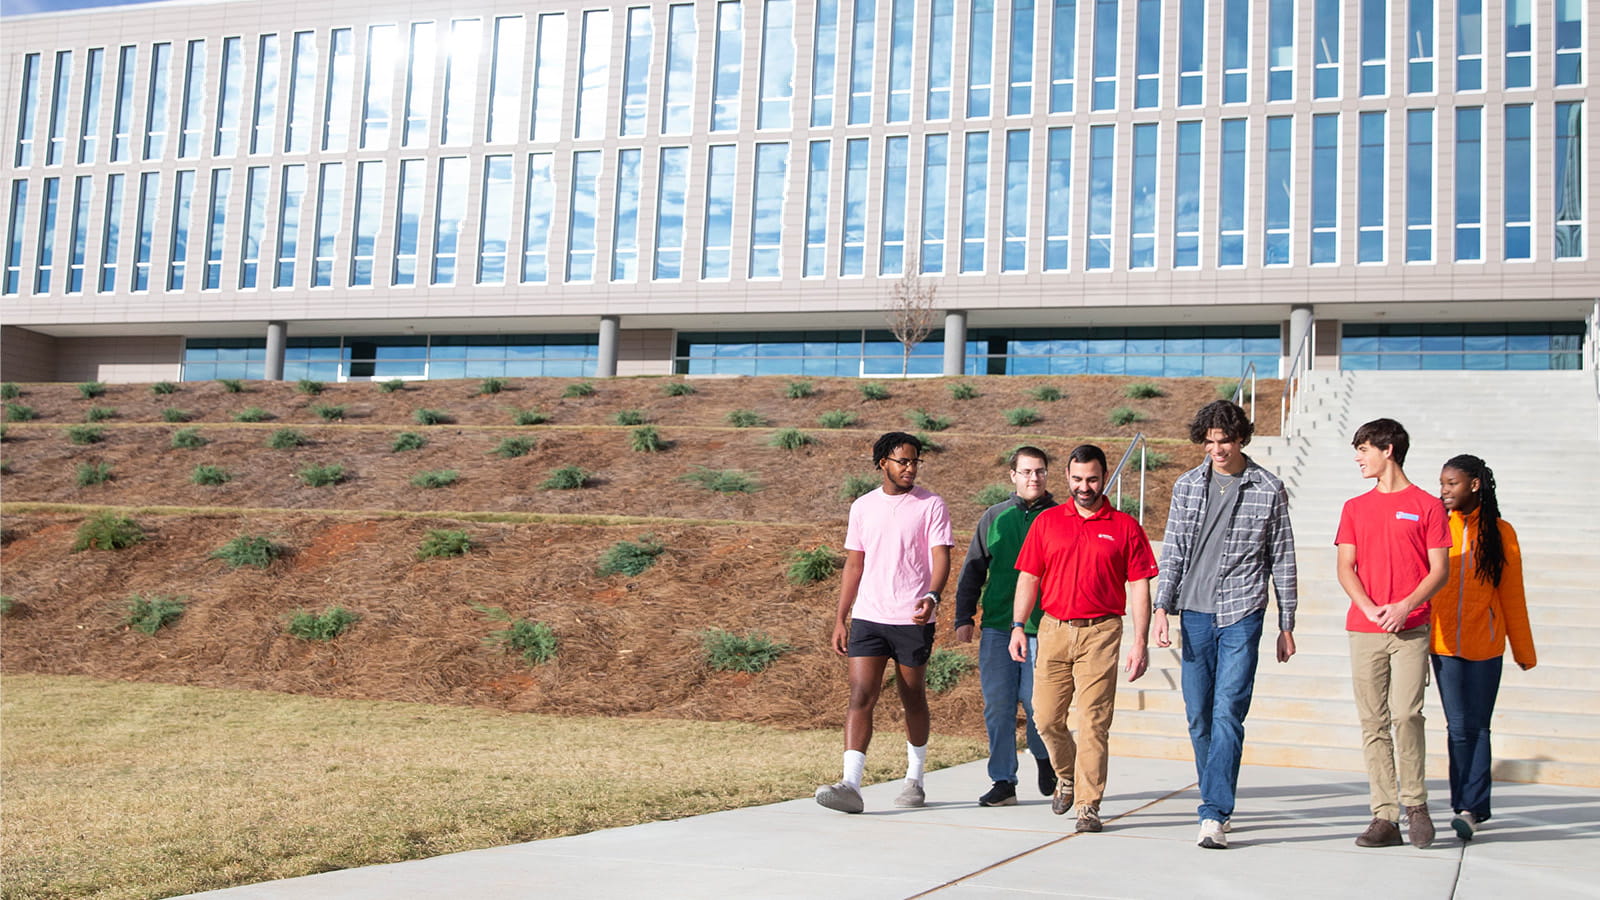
[(1225, 415), (1385, 434), (884, 447), (1489, 558)]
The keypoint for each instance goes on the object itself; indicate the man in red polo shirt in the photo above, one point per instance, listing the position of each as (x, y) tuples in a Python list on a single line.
[(1092, 562)]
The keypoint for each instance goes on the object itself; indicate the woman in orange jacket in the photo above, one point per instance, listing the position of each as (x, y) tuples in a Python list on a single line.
[(1477, 610)]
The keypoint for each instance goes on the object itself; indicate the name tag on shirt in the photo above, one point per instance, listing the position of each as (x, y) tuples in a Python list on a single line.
[(1409, 517)]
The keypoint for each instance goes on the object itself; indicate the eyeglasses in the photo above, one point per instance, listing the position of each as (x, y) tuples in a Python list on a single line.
[(1028, 474), (904, 463)]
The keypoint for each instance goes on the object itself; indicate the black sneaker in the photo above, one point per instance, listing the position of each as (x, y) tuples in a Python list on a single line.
[(1004, 793), (1047, 777)]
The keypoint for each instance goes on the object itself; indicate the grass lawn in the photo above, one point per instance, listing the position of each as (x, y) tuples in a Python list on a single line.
[(123, 790)]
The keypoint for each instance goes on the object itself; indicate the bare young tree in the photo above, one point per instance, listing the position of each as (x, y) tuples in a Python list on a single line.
[(910, 312)]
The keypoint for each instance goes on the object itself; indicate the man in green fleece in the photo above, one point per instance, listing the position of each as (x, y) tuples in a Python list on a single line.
[(990, 575)]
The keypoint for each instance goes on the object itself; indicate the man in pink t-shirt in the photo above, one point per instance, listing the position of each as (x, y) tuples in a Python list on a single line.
[(897, 557)]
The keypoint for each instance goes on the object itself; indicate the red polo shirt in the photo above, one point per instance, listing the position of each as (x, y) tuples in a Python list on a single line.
[(1084, 564)]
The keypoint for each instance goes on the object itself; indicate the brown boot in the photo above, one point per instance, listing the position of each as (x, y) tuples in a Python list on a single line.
[(1380, 833), (1419, 825)]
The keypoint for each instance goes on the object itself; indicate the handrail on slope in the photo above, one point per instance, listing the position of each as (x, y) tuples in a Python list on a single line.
[(1238, 392), (1292, 401), (1138, 443), (1591, 349)]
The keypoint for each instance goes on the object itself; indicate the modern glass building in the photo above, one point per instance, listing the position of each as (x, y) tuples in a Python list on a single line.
[(259, 188)]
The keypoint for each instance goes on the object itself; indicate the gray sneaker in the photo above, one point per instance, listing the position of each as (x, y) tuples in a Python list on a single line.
[(912, 796), (841, 797)]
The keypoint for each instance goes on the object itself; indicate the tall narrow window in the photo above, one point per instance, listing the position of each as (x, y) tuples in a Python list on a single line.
[(368, 221), (1102, 191), (594, 75), (1519, 43), (1018, 177), (975, 202), (461, 79), (55, 149), (330, 206), (717, 256), (420, 66), (582, 230), (1569, 42), (121, 113), (1147, 56), (824, 57), (1142, 199), (302, 92), (1105, 62), (194, 101), (155, 120), (15, 224), (1469, 45), (625, 225), (254, 234), (766, 215), (538, 214), (1371, 188), (182, 212), (902, 27), (1279, 188), (863, 45), (291, 199), (677, 111), (1186, 199), (111, 234), (935, 201), (853, 260), (340, 96), (449, 211), (672, 186), (635, 72), (1231, 198), (89, 128), (1280, 50), (1419, 46), (45, 251), (1518, 175), (377, 110), (729, 64), (1568, 170), (217, 227), (1235, 51), (1326, 52), (549, 68), (1469, 183), (1192, 52), (149, 198), (896, 194), (1325, 188), (505, 81), (264, 118), (816, 255), (1374, 48), (230, 98), (83, 200), (1419, 185), (1063, 54), (1019, 97), (1058, 201), (29, 110)]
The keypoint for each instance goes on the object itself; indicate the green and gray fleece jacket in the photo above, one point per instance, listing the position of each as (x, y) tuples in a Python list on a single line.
[(989, 577)]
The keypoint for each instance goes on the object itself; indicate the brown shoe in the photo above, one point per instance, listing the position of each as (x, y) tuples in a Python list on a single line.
[(1088, 820), (1380, 833), (1419, 825), (1061, 800)]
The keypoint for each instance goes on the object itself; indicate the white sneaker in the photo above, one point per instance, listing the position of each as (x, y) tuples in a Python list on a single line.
[(1212, 835)]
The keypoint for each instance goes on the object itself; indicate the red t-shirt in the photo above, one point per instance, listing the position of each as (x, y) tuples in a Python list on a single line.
[(1392, 534), (1084, 564)]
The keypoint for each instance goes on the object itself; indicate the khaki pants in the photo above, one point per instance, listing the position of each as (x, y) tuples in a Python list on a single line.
[(1079, 661), (1389, 672)]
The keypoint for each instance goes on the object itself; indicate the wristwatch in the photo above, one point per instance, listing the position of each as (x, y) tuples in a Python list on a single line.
[(934, 595), (1016, 625)]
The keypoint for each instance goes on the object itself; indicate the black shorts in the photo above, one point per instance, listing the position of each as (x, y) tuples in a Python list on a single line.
[(910, 645)]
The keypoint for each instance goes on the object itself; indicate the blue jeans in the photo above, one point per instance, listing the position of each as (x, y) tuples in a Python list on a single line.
[(1467, 690), (1006, 683), (1219, 678)]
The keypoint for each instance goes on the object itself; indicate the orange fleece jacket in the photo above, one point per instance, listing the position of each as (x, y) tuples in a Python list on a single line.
[(1472, 618)]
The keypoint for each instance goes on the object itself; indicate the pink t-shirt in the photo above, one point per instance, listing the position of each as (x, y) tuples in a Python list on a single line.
[(897, 534)]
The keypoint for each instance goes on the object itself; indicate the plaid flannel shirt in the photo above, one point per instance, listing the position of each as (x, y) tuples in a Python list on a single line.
[(1258, 542)]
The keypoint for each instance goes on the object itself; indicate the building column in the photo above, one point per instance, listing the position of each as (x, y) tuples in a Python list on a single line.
[(1300, 318), (607, 367), (955, 342), (277, 332)]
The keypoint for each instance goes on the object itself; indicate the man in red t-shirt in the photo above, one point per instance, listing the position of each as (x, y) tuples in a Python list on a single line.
[(1091, 563), (1394, 553)]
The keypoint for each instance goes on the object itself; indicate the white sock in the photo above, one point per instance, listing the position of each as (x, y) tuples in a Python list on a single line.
[(855, 762), (916, 762)]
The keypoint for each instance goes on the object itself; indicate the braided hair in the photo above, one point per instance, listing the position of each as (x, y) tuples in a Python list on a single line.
[(1490, 557)]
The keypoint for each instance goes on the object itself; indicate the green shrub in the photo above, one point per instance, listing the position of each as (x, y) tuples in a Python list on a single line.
[(677, 389), (107, 531), (321, 476), (7, 604), (991, 494), (174, 414), (1129, 505), (286, 439), (188, 439), (1126, 415), (790, 439), (248, 550), (529, 417), (1154, 459), (163, 388), (1045, 393), (323, 626), (231, 385), (929, 445), (874, 391), (252, 414), (328, 412), (93, 473), (308, 387), (392, 386), (85, 434), (210, 476), (1021, 417), (837, 418), (10, 390), (149, 613), (565, 478), (1226, 390), (963, 390), (745, 418), (722, 481), (927, 422), (20, 412), (91, 389), (443, 543), (646, 439), (630, 557), (945, 668), (629, 417), (578, 389), (5, 467), (799, 390), (430, 417), (491, 385), (1143, 390), (513, 447), (807, 566), (856, 485), (407, 440), (751, 652), (98, 413), (436, 479), (535, 642)]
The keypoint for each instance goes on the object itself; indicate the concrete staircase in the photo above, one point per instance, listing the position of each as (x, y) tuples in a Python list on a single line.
[(1538, 431)]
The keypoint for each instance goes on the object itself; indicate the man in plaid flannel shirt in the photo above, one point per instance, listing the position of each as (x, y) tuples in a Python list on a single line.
[(1227, 532)]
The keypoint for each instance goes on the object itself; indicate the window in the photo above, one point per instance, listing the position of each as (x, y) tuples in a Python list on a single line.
[(1058, 201), (291, 198), (408, 221), (1235, 51), (45, 253), (217, 227), (89, 129), (1461, 345), (14, 228), (1186, 202), (461, 80), (29, 110), (264, 120), (81, 212), (716, 263), (635, 72), (582, 223), (420, 64), (1142, 199), (941, 58), (376, 109), (340, 90), (824, 50), (1374, 48), (1063, 55), (1280, 191), (1518, 176), (673, 187), (862, 46), (330, 203), (856, 173), (548, 69), (121, 114), (538, 214), (55, 150), (1419, 46), (505, 83), (1519, 43), (677, 115), (902, 24), (1569, 42), (729, 67), (194, 101), (766, 214), (1231, 198), (935, 201), (896, 186), (1014, 246), (1469, 183), (594, 75), (155, 120), (1019, 99), (1102, 193), (149, 197), (1192, 52), (1280, 50), (1105, 63), (1172, 351), (625, 227), (178, 250), (1371, 188), (1326, 50), (1419, 185), (975, 202), (1568, 169), (230, 99), (1469, 45), (816, 253), (254, 233), (368, 221), (449, 211), (302, 84), (1325, 188)]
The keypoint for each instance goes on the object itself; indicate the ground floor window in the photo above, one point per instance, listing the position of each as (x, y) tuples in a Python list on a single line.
[(1462, 345), (403, 356), (851, 353)]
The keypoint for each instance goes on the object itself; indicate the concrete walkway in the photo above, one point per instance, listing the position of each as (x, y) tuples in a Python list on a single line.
[(1293, 837)]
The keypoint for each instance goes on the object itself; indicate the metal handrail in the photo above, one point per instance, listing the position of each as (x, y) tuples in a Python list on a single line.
[(1141, 444), (1291, 400), (1591, 349), (1250, 371)]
